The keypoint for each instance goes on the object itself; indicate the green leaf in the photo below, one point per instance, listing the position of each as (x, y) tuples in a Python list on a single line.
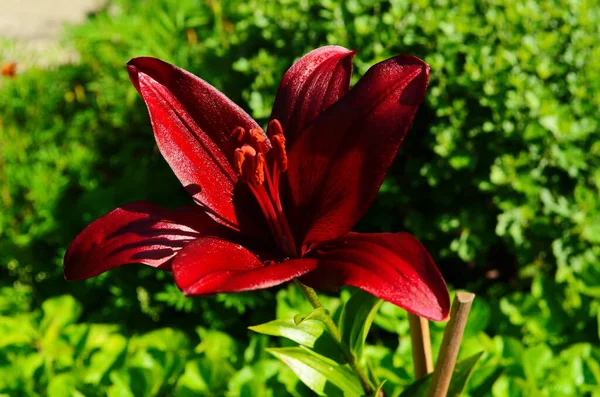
[(325, 377), (356, 320), (256, 380), (62, 385), (319, 313), (193, 381), (216, 345), (120, 385), (310, 333), (460, 377), (379, 389), (535, 362), (17, 330), (162, 339), (106, 359), (58, 313), (142, 381)]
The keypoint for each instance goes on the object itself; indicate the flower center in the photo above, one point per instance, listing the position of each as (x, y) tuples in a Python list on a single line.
[(249, 160)]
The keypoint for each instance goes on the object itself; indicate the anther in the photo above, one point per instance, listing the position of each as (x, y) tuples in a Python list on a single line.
[(259, 172), (238, 134), (258, 140), (274, 128), (243, 159), (275, 132), (278, 142)]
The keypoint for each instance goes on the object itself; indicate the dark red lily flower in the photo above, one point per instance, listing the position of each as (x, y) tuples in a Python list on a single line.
[(277, 205)]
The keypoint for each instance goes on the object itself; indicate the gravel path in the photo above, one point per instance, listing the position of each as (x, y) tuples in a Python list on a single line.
[(30, 29)]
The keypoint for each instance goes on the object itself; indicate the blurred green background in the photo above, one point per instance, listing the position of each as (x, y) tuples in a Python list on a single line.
[(499, 177)]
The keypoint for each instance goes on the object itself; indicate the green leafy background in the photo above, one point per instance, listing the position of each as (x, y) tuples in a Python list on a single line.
[(499, 177)]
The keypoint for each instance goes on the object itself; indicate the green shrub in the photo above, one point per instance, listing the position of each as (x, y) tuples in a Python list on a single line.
[(499, 175), (48, 351)]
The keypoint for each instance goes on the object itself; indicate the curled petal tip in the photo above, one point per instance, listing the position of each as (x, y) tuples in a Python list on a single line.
[(315, 82), (133, 74), (135, 62), (441, 314), (411, 59)]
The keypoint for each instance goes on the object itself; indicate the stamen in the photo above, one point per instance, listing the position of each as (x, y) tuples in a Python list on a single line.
[(275, 132), (238, 134), (278, 142), (274, 128), (238, 161), (259, 171), (244, 162), (258, 140), (251, 166)]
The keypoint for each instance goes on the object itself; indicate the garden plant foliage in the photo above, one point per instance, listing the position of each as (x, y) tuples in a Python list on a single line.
[(499, 177)]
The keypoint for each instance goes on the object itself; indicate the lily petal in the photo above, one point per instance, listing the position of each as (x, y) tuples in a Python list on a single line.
[(392, 266), (192, 123), (212, 265), (138, 232), (338, 164), (315, 82)]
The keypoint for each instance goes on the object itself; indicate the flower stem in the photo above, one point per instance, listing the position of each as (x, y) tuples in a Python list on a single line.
[(314, 300)]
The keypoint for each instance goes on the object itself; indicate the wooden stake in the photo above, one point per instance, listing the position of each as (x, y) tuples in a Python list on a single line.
[(421, 345), (440, 380)]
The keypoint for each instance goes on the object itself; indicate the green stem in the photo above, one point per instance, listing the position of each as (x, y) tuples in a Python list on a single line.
[(314, 300)]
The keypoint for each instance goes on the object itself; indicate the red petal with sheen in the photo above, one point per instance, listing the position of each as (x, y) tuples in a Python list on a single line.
[(192, 124), (138, 232), (392, 266), (338, 164), (213, 265), (315, 82)]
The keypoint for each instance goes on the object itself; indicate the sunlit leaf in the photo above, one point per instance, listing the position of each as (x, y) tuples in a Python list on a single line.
[(319, 313), (325, 377), (357, 316), (309, 333)]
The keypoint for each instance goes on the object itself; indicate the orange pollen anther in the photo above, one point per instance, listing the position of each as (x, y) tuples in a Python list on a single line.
[(278, 142), (238, 134), (244, 159), (275, 132), (258, 139), (274, 128), (255, 137), (259, 171)]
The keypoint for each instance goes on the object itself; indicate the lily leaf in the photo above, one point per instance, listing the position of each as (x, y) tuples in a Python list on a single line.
[(318, 314), (322, 375), (357, 316), (460, 377), (310, 333), (379, 390)]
